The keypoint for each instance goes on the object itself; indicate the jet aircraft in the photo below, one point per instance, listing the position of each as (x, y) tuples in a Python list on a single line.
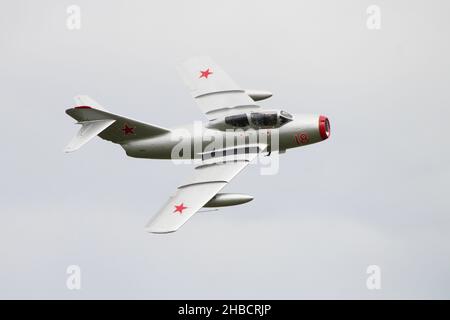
[(233, 116)]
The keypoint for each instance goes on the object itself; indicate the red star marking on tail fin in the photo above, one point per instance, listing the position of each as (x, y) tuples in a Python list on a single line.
[(127, 130), (179, 208), (205, 74)]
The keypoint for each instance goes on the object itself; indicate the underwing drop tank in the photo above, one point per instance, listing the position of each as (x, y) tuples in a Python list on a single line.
[(258, 95), (228, 199)]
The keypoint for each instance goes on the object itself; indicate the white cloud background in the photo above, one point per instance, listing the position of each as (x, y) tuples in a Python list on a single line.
[(375, 193)]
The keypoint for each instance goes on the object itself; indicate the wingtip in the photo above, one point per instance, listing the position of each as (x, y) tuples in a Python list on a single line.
[(66, 150), (69, 149), (159, 229), (155, 231)]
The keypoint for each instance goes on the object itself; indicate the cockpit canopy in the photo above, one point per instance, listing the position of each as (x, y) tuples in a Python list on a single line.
[(263, 119)]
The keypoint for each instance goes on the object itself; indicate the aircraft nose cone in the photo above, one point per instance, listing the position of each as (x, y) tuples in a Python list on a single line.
[(324, 127)]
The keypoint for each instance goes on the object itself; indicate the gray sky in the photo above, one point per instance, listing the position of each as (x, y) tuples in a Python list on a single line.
[(375, 193)]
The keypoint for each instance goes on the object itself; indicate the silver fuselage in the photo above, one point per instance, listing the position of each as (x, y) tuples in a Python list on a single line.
[(197, 138)]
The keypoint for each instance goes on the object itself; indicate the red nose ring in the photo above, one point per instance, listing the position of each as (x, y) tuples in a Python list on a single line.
[(324, 127)]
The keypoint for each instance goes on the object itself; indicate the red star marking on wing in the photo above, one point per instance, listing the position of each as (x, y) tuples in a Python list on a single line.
[(127, 130), (179, 208), (205, 74)]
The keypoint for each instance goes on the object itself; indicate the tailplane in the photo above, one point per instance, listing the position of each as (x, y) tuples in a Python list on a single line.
[(95, 120)]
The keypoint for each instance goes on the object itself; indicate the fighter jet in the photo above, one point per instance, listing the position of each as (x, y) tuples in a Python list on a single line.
[(232, 114)]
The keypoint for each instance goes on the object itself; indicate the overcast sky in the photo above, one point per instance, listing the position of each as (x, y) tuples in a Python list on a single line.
[(375, 193)]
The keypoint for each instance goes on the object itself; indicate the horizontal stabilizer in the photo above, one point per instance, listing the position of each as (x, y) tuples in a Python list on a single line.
[(88, 130), (84, 100)]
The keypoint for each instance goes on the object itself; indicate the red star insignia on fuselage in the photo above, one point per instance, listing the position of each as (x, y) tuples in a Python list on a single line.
[(205, 74), (127, 130), (179, 208)]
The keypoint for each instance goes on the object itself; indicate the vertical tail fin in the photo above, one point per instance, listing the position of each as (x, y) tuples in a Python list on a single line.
[(95, 120)]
